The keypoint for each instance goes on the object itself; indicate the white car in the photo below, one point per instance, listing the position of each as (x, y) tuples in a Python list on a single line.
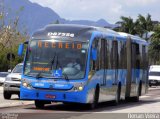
[(154, 75), (2, 77), (12, 82)]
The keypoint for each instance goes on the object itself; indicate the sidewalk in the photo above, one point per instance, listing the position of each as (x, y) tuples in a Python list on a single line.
[(14, 101)]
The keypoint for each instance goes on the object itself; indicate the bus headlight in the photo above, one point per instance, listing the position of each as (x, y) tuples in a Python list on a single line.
[(24, 84), (78, 87), (27, 85)]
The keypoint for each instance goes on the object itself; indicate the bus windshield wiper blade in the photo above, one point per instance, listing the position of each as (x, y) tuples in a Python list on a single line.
[(39, 75), (30, 75), (66, 76)]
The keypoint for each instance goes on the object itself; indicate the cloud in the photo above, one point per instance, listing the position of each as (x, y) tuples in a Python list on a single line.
[(110, 10)]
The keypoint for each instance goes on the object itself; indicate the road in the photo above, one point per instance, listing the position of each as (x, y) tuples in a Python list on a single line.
[(150, 103), (13, 102)]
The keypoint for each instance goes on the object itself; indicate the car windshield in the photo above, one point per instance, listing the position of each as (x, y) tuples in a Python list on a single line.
[(47, 56), (3, 74), (154, 73), (17, 69)]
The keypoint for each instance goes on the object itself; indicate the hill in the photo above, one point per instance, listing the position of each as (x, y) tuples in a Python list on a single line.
[(32, 16)]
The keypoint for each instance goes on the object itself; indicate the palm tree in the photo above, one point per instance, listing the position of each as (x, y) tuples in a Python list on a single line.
[(126, 25), (144, 25), (154, 48)]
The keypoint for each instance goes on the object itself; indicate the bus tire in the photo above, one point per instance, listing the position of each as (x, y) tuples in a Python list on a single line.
[(118, 94), (6, 95), (39, 104), (70, 103), (94, 104)]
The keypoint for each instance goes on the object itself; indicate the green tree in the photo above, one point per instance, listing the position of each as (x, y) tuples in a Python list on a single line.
[(154, 47), (10, 38), (127, 25), (141, 27), (56, 22), (144, 25)]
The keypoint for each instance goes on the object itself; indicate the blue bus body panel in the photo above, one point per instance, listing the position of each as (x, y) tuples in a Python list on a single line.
[(57, 96), (61, 91)]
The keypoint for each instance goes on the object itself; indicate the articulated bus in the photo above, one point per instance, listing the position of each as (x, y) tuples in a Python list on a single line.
[(111, 66)]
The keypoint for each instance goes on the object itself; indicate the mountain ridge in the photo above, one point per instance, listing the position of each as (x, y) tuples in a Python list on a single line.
[(33, 16)]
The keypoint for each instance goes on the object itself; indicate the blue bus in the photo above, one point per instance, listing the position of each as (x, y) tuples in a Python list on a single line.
[(83, 64)]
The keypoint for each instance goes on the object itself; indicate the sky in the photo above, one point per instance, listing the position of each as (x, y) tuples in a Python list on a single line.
[(110, 10)]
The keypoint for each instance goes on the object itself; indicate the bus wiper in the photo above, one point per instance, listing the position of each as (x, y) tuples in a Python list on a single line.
[(65, 76), (39, 75)]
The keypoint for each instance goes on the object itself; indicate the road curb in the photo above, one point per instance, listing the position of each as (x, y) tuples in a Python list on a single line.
[(15, 104)]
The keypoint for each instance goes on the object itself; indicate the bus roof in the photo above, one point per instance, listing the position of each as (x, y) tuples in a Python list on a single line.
[(69, 28), (72, 30)]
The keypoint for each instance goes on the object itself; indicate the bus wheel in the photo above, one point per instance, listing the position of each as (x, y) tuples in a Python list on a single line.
[(6, 95), (118, 94), (70, 103), (39, 104), (94, 104)]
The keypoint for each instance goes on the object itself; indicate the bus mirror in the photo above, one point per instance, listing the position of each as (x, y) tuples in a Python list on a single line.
[(20, 49), (94, 54)]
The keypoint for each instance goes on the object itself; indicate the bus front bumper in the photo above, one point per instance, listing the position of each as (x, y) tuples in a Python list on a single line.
[(54, 96)]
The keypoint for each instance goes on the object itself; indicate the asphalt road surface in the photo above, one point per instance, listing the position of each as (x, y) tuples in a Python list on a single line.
[(148, 104)]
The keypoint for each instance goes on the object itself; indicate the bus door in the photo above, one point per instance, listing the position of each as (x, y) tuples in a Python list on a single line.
[(100, 62), (144, 70), (98, 65), (133, 66), (135, 58), (111, 67), (108, 64)]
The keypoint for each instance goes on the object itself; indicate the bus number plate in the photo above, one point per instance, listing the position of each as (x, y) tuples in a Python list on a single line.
[(50, 96)]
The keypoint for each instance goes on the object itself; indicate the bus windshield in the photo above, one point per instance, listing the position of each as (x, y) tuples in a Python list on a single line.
[(45, 56)]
